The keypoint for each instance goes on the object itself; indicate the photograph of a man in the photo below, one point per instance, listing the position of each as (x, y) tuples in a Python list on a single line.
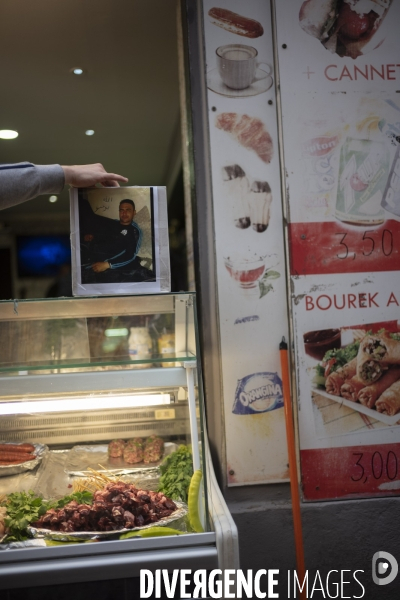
[(114, 250)]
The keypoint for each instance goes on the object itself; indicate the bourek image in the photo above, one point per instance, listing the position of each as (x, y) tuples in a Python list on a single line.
[(355, 377), (345, 27), (116, 236)]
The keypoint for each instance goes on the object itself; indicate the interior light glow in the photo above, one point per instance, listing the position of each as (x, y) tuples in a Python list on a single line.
[(53, 199), (89, 132), (116, 332), (8, 134), (78, 404), (77, 71)]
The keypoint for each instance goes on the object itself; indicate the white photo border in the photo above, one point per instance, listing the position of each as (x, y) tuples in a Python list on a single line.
[(160, 244)]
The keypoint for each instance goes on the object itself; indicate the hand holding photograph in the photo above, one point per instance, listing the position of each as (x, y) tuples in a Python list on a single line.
[(119, 240)]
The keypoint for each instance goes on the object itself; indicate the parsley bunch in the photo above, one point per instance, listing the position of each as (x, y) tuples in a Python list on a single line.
[(24, 508), (176, 473)]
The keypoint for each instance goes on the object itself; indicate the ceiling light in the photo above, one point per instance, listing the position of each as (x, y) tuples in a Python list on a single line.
[(93, 403), (8, 134), (89, 132), (53, 199), (77, 71)]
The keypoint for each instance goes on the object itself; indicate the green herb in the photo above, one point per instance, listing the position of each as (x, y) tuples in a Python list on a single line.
[(265, 284), (24, 508), (319, 380), (395, 336), (176, 473), (342, 355), (80, 497)]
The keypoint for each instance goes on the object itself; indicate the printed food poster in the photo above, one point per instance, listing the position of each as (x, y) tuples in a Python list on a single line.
[(339, 76), (348, 365), (248, 235), (340, 45), (343, 167)]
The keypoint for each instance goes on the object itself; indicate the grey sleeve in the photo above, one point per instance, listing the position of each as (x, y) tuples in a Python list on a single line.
[(23, 181)]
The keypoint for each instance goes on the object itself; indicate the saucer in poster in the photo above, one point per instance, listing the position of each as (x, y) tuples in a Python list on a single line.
[(261, 84)]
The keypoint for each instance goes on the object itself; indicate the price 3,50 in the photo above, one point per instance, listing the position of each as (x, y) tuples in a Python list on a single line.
[(382, 242)]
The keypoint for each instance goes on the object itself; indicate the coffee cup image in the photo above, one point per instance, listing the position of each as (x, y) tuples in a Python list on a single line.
[(238, 65), (246, 271)]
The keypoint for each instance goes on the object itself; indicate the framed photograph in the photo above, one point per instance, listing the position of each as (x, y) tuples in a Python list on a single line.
[(119, 241)]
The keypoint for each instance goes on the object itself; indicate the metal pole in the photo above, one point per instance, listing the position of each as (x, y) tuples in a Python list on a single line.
[(189, 366)]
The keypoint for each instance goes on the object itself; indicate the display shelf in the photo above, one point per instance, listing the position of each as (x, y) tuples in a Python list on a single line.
[(92, 334), (173, 377), (88, 364)]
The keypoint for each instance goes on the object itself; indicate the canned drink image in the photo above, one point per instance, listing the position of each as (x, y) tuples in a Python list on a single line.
[(260, 198), (236, 189), (363, 173), (391, 197)]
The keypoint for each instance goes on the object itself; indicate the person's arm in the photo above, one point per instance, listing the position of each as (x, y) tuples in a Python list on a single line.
[(24, 181), (90, 175)]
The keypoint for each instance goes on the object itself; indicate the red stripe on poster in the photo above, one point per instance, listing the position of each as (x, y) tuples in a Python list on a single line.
[(336, 247), (351, 472)]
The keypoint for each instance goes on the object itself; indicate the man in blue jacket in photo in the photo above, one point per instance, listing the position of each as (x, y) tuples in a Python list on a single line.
[(109, 253)]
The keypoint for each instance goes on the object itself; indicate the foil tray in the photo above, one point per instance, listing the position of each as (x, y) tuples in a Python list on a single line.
[(80, 458), (80, 536), (6, 470)]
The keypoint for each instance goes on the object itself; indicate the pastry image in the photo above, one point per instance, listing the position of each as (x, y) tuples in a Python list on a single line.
[(235, 23), (365, 372), (345, 27), (236, 186), (250, 132), (376, 353)]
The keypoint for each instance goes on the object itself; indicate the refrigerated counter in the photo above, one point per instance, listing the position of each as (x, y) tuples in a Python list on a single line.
[(76, 374)]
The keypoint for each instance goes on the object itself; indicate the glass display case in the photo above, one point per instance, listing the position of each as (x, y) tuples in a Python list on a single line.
[(97, 396)]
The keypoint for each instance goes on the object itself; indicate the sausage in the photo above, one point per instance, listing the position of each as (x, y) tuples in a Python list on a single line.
[(25, 448), (235, 23), (15, 456)]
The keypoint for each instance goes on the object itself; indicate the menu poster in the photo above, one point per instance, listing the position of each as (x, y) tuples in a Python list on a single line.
[(339, 77), (249, 244), (348, 369)]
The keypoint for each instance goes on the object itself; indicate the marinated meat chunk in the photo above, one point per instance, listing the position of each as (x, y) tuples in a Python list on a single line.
[(117, 506), (116, 448), (133, 451), (153, 450)]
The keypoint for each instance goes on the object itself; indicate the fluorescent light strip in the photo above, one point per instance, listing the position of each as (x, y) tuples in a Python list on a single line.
[(116, 332), (78, 404)]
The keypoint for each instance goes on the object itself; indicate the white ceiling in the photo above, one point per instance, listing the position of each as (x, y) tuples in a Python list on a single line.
[(129, 93)]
